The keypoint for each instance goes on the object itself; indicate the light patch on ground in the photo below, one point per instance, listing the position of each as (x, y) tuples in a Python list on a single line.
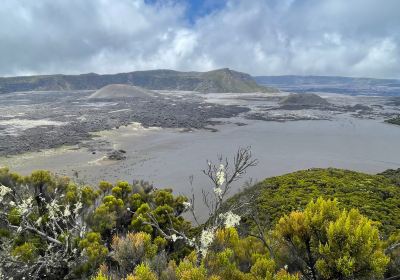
[(12, 115), (125, 131), (100, 161), (82, 118), (13, 126), (121, 110), (22, 159)]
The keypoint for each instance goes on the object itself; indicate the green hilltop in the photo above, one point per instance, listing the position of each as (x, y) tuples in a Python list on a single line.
[(376, 196)]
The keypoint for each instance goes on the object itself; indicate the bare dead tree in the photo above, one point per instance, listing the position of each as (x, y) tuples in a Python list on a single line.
[(222, 174), (231, 172)]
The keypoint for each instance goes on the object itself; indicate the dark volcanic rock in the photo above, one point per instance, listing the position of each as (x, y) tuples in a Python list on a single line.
[(306, 100), (80, 116), (116, 155), (303, 101), (361, 107)]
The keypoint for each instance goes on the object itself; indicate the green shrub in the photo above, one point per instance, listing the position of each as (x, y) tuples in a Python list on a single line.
[(26, 252), (375, 196)]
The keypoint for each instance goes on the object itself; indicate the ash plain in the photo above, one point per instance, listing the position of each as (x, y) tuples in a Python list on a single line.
[(168, 138)]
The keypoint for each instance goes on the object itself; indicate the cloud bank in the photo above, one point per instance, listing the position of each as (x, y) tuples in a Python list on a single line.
[(261, 37)]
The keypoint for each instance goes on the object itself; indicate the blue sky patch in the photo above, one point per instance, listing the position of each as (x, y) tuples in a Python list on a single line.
[(196, 8)]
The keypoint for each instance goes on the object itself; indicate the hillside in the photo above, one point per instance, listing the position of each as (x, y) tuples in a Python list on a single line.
[(118, 91), (222, 80), (375, 195)]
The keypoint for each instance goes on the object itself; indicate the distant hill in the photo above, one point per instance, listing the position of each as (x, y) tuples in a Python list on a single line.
[(376, 196), (333, 84), (222, 80), (118, 91), (304, 100)]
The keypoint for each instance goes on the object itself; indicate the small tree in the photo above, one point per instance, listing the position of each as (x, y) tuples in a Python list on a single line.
[(328, 243)]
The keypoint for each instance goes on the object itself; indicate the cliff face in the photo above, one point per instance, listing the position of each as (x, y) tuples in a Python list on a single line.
[(222, 80)]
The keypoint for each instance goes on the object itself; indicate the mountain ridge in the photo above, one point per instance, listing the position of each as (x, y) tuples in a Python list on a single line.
[(220, 80)]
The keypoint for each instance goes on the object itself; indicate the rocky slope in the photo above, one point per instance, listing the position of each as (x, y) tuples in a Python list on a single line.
[(222, 80)]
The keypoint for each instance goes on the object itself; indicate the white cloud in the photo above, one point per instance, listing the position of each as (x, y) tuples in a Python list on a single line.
[(271, 37), (383, 56)]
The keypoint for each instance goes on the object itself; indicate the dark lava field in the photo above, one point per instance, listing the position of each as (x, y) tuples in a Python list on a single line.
[(34, 121)]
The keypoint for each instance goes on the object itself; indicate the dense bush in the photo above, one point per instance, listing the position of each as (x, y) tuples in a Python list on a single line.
[(332, 243), (375, 196), (67, 230), (393, 175), (53, 228)]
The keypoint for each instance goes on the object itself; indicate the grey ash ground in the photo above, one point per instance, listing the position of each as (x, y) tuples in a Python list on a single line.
[(34, 121)]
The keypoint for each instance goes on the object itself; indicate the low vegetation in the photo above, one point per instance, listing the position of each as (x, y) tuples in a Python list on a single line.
[(395, 120), (376, 196), (393, 175), (315, 224)]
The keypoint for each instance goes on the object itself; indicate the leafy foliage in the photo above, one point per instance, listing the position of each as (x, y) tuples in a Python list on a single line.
[(42, 217), (131, 250), (333, 244), (374, 195), (53, 228), (393, 175), (67, 230)]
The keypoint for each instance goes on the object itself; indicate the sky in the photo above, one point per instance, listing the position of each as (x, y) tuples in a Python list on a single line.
[(359, 38)]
